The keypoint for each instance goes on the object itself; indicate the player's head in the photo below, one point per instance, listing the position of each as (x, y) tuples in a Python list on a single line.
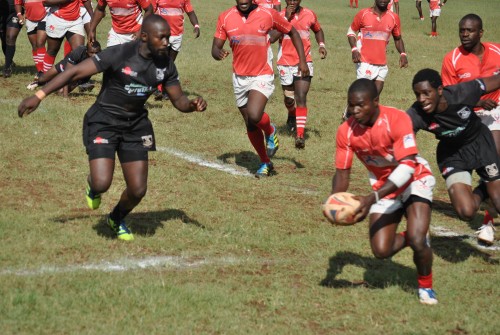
[(428, 88), (295, 3), (244, 5), (93, 48), (382, 4), (362, 101), (470, 31), (155, 33)]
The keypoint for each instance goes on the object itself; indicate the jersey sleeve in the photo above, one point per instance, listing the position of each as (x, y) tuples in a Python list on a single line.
[(102, 3), (220, 31), (188, 8), (144, 4), (448, 73), (396, 31), (470, 92), (280, 23), (173, 78), (344, 153), (356, 22), (107, 58), (416, 120), (78, 55), (403, 137), (315, 26)]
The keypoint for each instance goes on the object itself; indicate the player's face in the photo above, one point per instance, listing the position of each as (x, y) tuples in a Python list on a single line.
[(157, 41), (293, 4), (382, 4), (243, 5), (362, 107), (470, 34), (427, 96)]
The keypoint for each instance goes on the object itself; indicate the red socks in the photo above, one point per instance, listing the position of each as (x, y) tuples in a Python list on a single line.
[(265, 124), (301, 117), (425, 281), (48, 62), (257, 139)]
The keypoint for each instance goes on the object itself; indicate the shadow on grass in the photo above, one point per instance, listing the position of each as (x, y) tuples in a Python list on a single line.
[(144, 224), (250, 160), (283, 131), (455, 249), (445, 208), (378, 274)]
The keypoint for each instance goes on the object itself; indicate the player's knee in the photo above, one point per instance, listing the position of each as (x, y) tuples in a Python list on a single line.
[(100, 185), (381, 251), (137, 193), (466, 212), (417, 243)]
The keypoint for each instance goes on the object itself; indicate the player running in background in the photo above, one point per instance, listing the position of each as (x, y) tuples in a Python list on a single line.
[(246, 26), (351, 2), (126, 19), (465, 143), (474, 59), (9, 30), (34, 19), (375, 25), (418, 4), (295, 87), (382, 138), (118, 123), (435, 11), (393, 6), (271, 4)]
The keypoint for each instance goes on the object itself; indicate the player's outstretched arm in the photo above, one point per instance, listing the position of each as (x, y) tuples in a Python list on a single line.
[(182, 102), (218, 53), (491, 83), (86, 68)]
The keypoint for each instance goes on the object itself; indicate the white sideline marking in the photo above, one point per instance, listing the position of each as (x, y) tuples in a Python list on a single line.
[(444, 232), (203, 162), (168, 262)]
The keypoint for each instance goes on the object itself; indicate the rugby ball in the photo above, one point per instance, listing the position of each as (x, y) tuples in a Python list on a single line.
[(340, 207)]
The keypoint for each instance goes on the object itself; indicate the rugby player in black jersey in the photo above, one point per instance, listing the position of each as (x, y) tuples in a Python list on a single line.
[(117, 123)]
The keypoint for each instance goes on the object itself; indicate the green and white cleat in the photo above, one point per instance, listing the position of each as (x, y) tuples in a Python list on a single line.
[(121, 230), (93, 200)]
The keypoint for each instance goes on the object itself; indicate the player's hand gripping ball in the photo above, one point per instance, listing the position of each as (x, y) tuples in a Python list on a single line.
[(340, 207)]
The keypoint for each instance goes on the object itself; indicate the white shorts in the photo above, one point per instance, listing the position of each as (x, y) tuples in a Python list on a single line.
[(372, 72), (288, 72), (435, 12), (242, 85), (57, 27), (116, 39), (490, 118), (175, 42), (422, 188), (84, 14), (32, 25)]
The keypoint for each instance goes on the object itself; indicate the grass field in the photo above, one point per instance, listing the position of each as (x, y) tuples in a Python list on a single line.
[(216, 250)]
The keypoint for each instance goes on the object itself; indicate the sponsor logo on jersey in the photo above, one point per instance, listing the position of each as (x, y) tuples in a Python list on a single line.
[(464, 75), (100, 140), (433, 126), (492, 170), (447, 170), (160, 74), (147, 141), (138, 89), (408, 141), (129, 72), (464, 113)]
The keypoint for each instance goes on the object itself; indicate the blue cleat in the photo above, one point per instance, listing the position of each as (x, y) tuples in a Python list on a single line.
[(272, 143)]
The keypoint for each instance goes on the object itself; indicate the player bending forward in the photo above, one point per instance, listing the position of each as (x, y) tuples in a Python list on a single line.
[(402, 182)]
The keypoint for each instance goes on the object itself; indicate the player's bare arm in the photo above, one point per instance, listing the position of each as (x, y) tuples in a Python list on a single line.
[(320, 38), (181, 101), (340, 180), (99, 13), (400, 46), (148, 11), (218, 53), (355, 54), (194, 21), (297, 43), (491, 83)]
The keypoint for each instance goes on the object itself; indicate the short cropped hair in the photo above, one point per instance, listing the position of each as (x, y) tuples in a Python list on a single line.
[(430, 75), (364, 85), (472, 17)]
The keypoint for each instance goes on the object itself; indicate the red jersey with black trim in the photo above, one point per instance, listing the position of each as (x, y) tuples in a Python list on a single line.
[(70, 11), (248, 38), (267, 3), (375, 33), (303, 21), (173, 12), (34, 10), (380, 146), (460, 66), (126, 15)]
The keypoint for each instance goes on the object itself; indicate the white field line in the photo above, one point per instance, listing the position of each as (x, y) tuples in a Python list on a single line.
[(121, 265), (472, 239), (218, 165)]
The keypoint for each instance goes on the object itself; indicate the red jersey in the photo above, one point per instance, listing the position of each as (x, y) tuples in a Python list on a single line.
[(434, 4), (460, 66), (375, 34), (267, 3), (126, 15), (391, 4), (252, 54), (173, 12), (34, 10), (69, 11), (303, 21), (380, 146)]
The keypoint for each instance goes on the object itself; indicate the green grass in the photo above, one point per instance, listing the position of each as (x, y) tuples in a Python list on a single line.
[(237, 255)]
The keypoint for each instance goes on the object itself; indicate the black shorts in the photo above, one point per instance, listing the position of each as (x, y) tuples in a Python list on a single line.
[(479, 155), (105, 134), (13, 21)]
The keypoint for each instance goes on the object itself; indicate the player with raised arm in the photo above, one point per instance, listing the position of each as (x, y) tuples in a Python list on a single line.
[(295, 87), (118, 123), (382, 138), (246, 26), (126, 19), (465, 143)]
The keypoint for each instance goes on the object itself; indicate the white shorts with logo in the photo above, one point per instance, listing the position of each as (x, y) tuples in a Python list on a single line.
[(422, 188), (116, 39), (372, 72), (57, 27), (490, 118), (84, 14), (32, 25), (175, 42), (242, 85), (288, 72), (435, 12)]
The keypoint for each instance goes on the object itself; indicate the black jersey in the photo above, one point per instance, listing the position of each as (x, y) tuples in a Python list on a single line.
[(74, 57), (129, 79), (459, 123)]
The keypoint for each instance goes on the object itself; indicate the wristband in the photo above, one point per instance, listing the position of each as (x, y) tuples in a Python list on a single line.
[(40, 95), (403, 54), (377, 198), (321, 44), (197, 26), (354, 49), (19, 14)]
